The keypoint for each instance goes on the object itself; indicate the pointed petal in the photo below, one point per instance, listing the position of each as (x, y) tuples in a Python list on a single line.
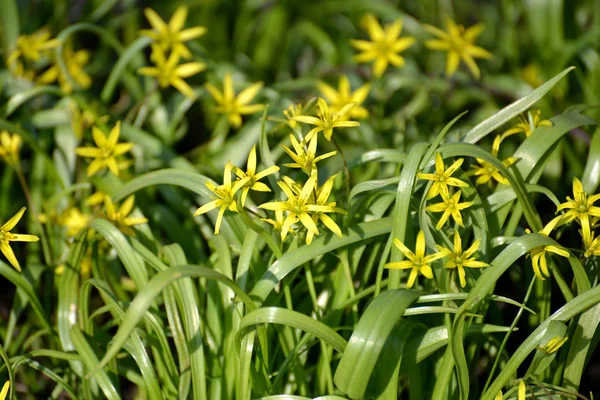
[(155, 20), (249, 93), (308, 223), (207, 207), (219, 220), (99, 137), (10, 256), (11, 223), (328, 92), (191, 33), (330, 223), (18, 237), (178, 19), (452, 62)]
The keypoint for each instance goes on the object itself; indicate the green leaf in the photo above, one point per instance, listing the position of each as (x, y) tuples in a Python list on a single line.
[(507, 113), (9, 28), (368, 339)]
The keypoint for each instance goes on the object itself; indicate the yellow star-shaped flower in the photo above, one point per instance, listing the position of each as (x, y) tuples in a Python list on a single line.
[(169, 72), (251, 177), (74, 220), (385, 45), (458, 42), (107, 150), (344, 95), (6, 237), (305, 158), (230, 105), (224, 196), (580, 207), (298, 207), (538, 254), (75, 61), (451, 207), (120, 217), (325, 121), (486, 172), (443, 177), (322, 199), (171, 36), (460, 259), (527, 124), (417, 261), (32, 47)]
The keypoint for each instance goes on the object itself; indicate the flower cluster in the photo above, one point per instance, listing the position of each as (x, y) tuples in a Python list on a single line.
[(385, 45), (169, 47), (34, 60)]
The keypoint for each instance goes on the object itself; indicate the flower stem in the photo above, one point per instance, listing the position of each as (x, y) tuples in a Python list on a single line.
[(36, 216), (346, 170)]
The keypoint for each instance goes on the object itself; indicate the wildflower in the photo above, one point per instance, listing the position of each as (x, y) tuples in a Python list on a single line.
[(32, 47), (305, 158), (107, 150), (223, 196), (6, 237), (75, 61), (384, 47), (553, 345), (121, 216), (171, 36), (460, 259), (538, 254), (299, 207), (451, 207), (9, 148), (322, 197), (74, 220), (417, 261), (485, 171), (339, 98), (251, 177), (232, 106), (581, 207), (443, 177), (169, 73), (527, 125), (4, 391), (458, 42), (278, 221), (291, 112), (326, 122)]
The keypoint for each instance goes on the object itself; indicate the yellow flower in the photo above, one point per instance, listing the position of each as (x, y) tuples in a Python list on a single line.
[(460, 259), (251, 177), (9, 148), (325, 121), (223, 196), (458, 42), (485, 171), (96, 199), (278, 221), (4, 391), (83, 119), (74, 220), (322, 199), (581, 207), (417, 261), (339, 98), (105, 155), (384, 47), (232, 106), (527, 125), (169, 73), (442, 177), (538, 254), (305, 158), (121, 216), (531, 75), (171, 36), (451, 207), (299, 207), (291, 112), (75, 61), (6, 237), (522, 391), (553, 345), (32, 47)]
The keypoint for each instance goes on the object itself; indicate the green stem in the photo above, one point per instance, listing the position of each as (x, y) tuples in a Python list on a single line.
[(346, 170)]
